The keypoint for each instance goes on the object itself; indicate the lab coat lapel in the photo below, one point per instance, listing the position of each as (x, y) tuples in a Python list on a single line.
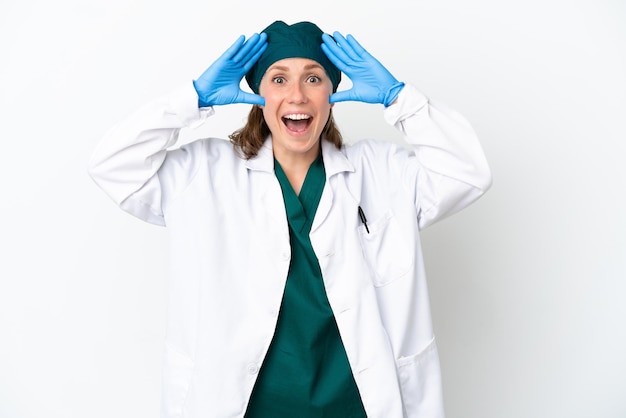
[(335, 162), (271, 193)]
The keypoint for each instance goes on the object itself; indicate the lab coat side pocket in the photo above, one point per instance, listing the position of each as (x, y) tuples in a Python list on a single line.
[(420, 382), (386, 249), (177, 373)]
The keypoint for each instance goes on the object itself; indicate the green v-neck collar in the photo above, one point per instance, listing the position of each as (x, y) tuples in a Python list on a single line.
[(301, 208)]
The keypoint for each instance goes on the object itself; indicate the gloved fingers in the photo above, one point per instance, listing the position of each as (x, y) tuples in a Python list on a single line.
[(347, 47), (341, 96), (250, 48), (233, 49), (357, 49), (250, 98), (255, 54), (335, 53), (337, 49)]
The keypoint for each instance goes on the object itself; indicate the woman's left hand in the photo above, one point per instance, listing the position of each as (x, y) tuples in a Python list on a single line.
[(371, 81)]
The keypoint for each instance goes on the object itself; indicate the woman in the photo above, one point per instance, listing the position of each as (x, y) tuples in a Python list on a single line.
[(298, 285)]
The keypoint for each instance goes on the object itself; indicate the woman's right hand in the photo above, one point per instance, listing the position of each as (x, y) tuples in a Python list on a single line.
[(220, 83)]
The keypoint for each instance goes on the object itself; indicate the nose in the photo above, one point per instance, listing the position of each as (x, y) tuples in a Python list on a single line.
[(297, 93)]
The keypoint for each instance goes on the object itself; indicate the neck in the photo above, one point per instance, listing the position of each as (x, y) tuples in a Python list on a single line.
[(296, 167)]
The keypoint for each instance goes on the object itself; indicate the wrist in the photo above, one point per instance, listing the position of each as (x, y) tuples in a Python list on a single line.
[(392, 94), (201, 100)]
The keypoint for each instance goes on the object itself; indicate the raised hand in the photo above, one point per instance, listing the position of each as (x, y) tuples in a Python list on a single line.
[(371, 81), (220, 83)]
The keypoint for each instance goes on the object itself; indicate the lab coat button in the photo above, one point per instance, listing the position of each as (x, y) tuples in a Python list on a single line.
[(253, 368)]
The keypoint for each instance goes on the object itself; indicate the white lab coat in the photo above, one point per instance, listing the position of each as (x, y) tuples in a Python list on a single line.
[(230, 249)]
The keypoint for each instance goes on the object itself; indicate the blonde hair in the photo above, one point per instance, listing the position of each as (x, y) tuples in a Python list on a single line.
[(250, 138)]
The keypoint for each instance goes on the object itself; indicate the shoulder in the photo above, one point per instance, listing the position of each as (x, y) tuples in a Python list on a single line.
[(182, 164), (374, 151), (207, 149)]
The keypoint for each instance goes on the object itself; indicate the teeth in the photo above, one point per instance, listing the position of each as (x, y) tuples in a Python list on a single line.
[(297, 117)]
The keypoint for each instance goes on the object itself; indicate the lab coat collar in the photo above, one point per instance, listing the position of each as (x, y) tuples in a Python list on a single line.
[(264, 160), (335, 160)]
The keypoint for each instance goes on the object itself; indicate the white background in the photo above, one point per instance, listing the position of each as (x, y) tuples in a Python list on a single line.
[(527, 285)]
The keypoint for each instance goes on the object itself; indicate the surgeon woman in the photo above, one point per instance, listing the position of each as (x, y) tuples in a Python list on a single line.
[(297, 279)]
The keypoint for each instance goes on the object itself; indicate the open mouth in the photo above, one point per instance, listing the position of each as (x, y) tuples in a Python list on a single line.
[(297, 122)]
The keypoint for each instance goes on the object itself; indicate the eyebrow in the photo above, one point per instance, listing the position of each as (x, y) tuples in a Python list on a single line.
[(306, 67)]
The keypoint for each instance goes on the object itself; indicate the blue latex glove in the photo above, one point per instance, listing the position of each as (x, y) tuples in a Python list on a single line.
[(219, 84), (371, 82)]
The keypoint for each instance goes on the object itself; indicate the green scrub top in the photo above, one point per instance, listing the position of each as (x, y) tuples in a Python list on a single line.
[(306, 371)]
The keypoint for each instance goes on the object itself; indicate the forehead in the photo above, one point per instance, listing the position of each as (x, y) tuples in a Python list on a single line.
[(295, 64)]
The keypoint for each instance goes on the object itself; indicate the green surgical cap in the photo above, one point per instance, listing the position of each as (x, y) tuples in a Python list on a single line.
[(300, 40)]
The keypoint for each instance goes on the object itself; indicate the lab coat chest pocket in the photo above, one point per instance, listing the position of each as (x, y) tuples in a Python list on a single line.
[(387, 249)]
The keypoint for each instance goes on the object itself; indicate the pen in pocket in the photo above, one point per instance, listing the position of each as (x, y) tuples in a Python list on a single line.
[(363, 219)]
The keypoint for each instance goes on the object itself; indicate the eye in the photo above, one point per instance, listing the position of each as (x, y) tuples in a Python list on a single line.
[(313, 79), (278, 79)]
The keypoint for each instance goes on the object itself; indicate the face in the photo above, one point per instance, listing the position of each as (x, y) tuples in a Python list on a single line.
[(296, 92)]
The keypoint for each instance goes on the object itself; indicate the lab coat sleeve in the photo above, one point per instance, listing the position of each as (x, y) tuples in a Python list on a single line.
[(447, 169), (126, 161)]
